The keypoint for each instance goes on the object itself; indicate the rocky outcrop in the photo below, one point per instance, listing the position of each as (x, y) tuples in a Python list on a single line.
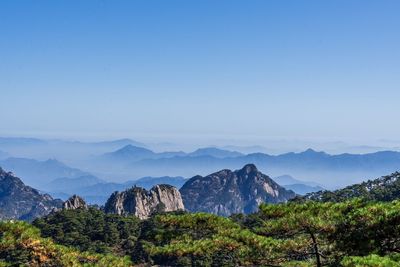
[(75, 202), (22, 202), (226, 192), (143, 203)]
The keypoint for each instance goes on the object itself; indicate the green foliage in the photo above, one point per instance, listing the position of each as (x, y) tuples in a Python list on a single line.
[(91, 230), (202, 239), (310, 233), (386, 188), (374, 228), (372, 261), (21, 245)]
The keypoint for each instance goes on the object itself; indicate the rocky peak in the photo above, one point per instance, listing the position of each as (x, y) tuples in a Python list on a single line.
[(75, 202), (226, 192), (22, 202), (249, 168), (142, 203)]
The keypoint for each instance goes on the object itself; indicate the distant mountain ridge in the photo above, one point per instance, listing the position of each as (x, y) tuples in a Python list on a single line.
[(329, 170), (98, 192), (136, 153), (298, 186), (227, 192), (39, 173), (65, 184)]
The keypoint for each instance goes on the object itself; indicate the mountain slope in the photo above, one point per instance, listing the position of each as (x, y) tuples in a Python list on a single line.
[(386, 188), (18, 201), (226, 192)]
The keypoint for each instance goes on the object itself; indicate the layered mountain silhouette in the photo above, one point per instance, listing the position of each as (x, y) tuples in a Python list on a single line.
[(227, 192), (40, 173), (298, 186), (98, 192), (135, 153), (329, 170)]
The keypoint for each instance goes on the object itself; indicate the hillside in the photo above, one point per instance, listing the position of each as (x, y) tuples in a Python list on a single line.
[(386, 188), (18, 201)]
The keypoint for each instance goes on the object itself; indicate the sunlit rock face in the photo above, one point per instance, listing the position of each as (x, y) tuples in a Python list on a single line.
[(142, 203), (75, 202), (227, 192)]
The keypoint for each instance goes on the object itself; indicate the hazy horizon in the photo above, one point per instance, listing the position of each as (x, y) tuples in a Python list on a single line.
[(246, 145)]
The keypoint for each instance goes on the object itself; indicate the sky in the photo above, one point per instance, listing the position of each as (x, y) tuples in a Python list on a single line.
[(200, 70)]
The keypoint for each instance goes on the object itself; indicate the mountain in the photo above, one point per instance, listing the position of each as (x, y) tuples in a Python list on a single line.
[(215, 152), (246, 149), (386, 188), (66, 184), (298, 186), (116, 143), (227, 192), (129, 153), (18, 201), (142, 203), (289, 180), (302, 189), (96, 191), (75, 202), (135, 153), (332, 171), (71, 152), (40, 173)]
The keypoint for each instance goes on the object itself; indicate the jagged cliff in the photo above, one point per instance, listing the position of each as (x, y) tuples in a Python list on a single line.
[(226, 192), (143, 203), (75, 202), (22, 202)]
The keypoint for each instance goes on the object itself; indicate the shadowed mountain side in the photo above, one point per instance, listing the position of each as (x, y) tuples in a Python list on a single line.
[(227, 192), (22, 202)]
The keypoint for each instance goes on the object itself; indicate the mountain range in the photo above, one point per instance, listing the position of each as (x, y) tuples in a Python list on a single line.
[(125, 160), (95, 192), (329, 170), (223, 193)]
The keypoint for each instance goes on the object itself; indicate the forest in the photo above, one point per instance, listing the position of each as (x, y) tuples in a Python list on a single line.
[(355, 232)]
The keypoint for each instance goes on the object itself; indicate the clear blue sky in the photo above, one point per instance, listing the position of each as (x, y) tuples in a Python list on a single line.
[(290, 69)]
